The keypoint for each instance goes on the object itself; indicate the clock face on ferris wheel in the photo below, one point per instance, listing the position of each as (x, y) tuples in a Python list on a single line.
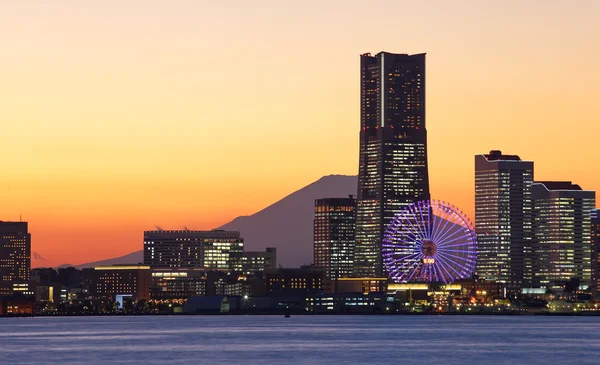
[(429, 241)]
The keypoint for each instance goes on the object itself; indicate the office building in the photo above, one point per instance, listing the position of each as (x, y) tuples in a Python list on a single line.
[(49, 293), (224, 254), (596, 252), (121, 281), (293, 281), (334, 238), (503, 220), (15, 255), (393, 149), (179, 283), (562, 243), (259, 261), (218, 250)]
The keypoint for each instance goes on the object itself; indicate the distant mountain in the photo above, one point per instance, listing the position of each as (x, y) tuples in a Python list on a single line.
[(132, 258), (286, 224)]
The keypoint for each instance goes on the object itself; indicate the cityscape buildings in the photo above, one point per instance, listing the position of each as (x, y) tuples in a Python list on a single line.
[(334, 236), (503, 219), (224, 253), (393, 149), (293, 281), (121, 280), (186, 248), (596, 252), (562, 241), (15, 255), (178, 283), (259, 261), (534, 238)]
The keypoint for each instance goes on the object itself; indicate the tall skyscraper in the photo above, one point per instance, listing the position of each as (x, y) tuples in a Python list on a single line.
[(15, 255), (562, 241), (503, 220), (207, 249), (334, 239), (596, 252), (393, 149)]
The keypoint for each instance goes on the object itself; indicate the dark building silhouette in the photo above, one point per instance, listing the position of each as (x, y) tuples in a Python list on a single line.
[(334, 239), (293, 281), (15, 255), (596, 252), (503, 220), (259, 261), (562, 241), (393, 149), (219, 250)]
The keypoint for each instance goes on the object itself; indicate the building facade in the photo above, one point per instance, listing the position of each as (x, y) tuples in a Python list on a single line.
[(219, 250), (595, 216), (182, 283), (259, 261), (334, 236), (125, 280), (15, 255), (224, 254), (503, 218), (393, 149), (562, 244), (293, 281)]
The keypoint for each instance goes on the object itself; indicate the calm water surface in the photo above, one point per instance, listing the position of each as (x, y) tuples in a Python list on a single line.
[(301, 340)]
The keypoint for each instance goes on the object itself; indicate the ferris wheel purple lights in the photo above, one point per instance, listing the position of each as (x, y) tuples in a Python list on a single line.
[(429, 241)]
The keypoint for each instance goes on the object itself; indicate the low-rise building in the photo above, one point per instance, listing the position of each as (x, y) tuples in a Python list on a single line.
[(292, 281), (49, 293), (375, 302), (16, 304), (178, 283), (358, 285), (259, 261), (121, 280)]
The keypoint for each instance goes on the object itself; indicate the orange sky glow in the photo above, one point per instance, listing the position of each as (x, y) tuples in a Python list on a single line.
[(117, 116)]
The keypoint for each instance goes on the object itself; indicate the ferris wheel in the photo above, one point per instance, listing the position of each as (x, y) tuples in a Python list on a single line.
[(429, 241)]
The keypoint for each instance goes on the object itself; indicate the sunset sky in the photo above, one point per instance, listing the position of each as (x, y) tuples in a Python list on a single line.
[(116, 116)]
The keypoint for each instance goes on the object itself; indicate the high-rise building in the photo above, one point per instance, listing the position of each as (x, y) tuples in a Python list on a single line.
[(596, 252), (393, 149), (503, 220), (15, 255), (218, 250), (562, 243), (334, 239)]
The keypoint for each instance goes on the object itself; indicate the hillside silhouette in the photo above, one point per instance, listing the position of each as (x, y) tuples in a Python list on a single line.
[(286, 224)]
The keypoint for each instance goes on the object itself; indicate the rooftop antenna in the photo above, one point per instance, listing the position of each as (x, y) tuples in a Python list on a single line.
[(158, 228), (185, 228)]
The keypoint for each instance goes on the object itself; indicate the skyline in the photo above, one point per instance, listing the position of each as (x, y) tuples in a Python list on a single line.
[(105, 115)]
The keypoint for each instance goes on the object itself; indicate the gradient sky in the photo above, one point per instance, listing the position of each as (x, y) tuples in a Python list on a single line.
[(119, 115)]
